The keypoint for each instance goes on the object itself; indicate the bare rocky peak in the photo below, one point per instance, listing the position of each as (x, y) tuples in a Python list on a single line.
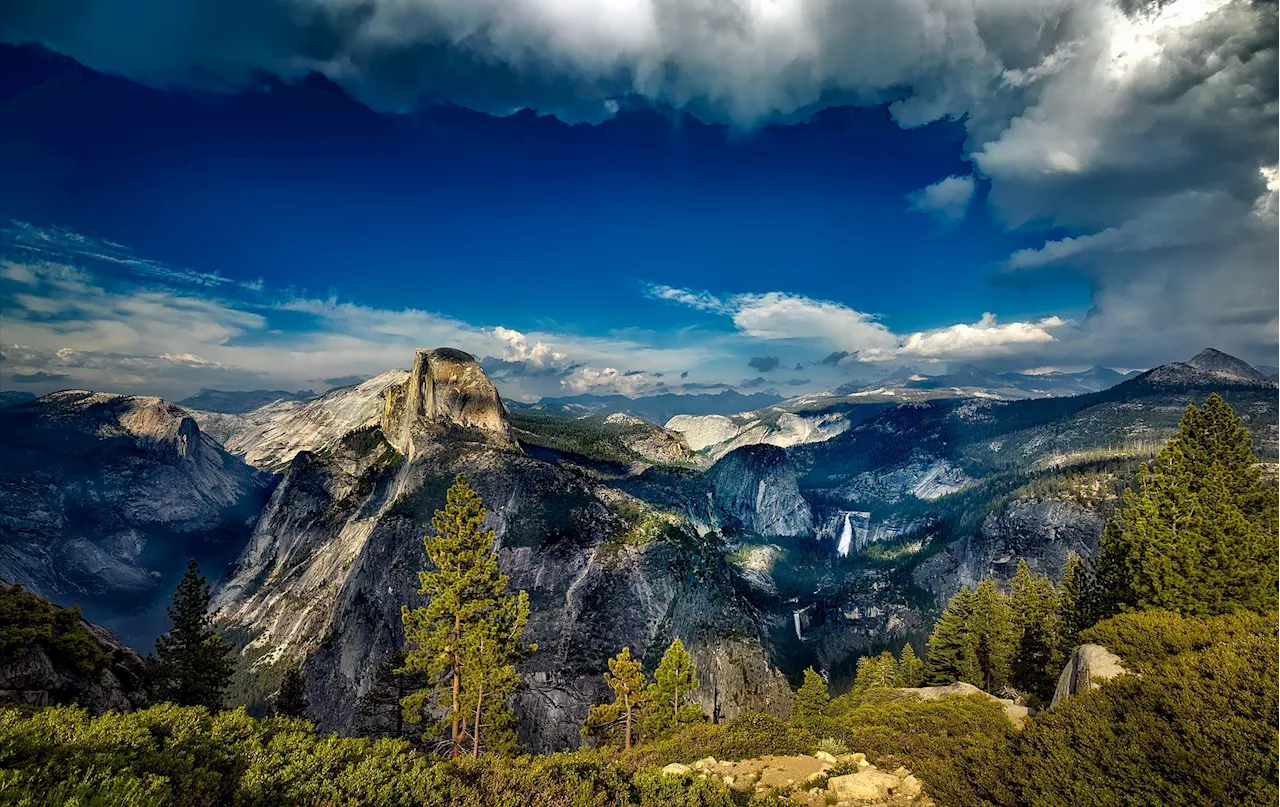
[(1217, 363), (446, 387)]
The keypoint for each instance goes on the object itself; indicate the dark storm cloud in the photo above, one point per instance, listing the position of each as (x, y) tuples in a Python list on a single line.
[(764, 364)]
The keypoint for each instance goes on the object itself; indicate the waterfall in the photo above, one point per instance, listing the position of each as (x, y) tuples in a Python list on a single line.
[(795, 616), (846, 538)]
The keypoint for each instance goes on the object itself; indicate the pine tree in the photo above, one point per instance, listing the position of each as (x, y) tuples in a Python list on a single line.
[(630, 697), (991, 623), (1079, 604), (291, 699), (812, 699), (192, 664), (381, 713), (952, 655), (910, 667), (468, 637), (674, 680), (1197, 536), (1034, 603), (877, 672)]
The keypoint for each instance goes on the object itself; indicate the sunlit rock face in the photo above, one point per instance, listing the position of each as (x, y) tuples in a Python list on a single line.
[(446, 387), (337, 551)]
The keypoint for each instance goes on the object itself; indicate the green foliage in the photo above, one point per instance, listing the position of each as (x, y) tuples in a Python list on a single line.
[(28, 621), (380, 709), (630, 697), (192, 665), (468, 638), (1198, 534), (291, 699), (910, 667), (750, 735), (832, 746), (670, 705), (1035, 606), (877, 672), (170, 755), (952, 653), (1078, 603), (1149, 638), (809, 711)]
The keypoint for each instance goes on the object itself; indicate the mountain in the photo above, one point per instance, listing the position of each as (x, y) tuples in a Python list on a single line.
[(1269, 371), (973, 381), (14, 397), (1207, 367), (236, 402), (104, 497), (655, 408), (335, 555), (270, 436)]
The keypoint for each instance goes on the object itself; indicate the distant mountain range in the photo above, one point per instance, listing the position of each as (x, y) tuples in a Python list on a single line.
[(656, 408), (239, 402), (970, 379)]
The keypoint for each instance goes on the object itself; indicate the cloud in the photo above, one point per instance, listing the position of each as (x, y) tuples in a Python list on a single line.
[(982, 340), (946, 200), (346, 380), (835, 357), (38, 377), (797, 382), (71, 314), (752, 383), (764, 364)]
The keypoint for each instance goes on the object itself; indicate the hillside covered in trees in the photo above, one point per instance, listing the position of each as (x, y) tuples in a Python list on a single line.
[(1183, 592)]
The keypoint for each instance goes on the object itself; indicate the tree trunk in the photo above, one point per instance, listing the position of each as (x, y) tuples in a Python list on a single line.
[(626, 742), (457, 687), (475, 731)]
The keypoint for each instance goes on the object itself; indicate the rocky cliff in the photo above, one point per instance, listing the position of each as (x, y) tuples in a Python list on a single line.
[(104, 497), (338, 547)]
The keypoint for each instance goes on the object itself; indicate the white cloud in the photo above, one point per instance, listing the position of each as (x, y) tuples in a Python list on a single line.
[(984, 339), (517, 348), (946, 200)]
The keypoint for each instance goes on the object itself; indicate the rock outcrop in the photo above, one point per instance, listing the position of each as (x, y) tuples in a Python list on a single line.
[(446, 388), (1089, 666), (35, 676), (104, 497), (756, 488)]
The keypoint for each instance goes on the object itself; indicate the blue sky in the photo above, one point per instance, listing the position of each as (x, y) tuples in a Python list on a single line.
[(623, 229)]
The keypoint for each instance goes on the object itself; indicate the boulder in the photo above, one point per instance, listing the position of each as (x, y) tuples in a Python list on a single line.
[(909, 788), (867, 784), (676, 769), (1088, 667), (825, 757)]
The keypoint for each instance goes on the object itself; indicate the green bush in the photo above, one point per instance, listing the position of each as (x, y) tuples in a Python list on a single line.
[(1145, 638), (752, 735), (28, 621)]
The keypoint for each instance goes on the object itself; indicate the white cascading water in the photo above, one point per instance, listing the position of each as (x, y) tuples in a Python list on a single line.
[(846, 538)]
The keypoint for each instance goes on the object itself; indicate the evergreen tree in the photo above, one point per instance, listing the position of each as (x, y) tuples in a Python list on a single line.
[(381, 713), (877, 672), (812, 699), (630, 697), (1034, 603), (994, 640), (952, 654), (468, 637), (674, 680), (1198, 535), (1078, 604), (192, 664), (910, 667), (291, 699)]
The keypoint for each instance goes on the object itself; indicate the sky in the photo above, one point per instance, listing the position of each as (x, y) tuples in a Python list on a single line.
[(635, 196)]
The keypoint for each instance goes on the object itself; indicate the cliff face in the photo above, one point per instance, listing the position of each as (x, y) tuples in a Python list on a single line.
[(104, 497), (756, 488), (337, 551)]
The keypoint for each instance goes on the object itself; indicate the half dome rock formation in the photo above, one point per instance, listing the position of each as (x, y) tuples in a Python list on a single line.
[(336, 553), (1088, 667), (104, 497), (446, 387)]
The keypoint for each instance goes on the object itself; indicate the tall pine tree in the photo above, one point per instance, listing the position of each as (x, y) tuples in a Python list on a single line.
[(952, 655), (994, 640), (812, 699), (468, 637), (291, 698), (1198, 535), (1034, 602), (192, 664), (910, 667), (674, 681), (1079, 605), (630, 697)]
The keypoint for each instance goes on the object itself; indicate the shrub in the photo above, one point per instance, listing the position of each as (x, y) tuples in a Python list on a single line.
[(1145, 638)]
